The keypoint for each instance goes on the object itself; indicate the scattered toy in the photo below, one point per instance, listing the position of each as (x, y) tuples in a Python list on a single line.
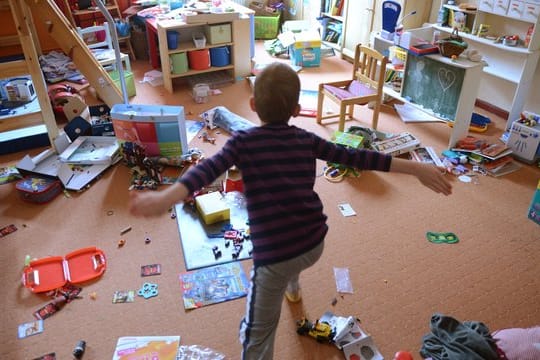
[(148, 290), (30, 328), (320, 331), (150, 270), (93, 295), (121, 242), (79, 349), (6, 230), (123, 296), (438, 238), (125, 230), (217, 252), (147, 240)]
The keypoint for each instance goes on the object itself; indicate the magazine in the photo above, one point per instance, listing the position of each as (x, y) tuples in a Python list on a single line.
[(147, 347), (213, 285)]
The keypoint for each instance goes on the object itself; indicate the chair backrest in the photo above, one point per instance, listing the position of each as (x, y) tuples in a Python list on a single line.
[(97, 36), (369, 67)]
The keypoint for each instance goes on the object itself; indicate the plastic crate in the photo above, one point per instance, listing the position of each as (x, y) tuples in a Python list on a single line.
[(267, 27)]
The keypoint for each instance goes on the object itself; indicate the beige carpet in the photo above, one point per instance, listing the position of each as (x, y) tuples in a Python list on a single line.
[(399, 278)]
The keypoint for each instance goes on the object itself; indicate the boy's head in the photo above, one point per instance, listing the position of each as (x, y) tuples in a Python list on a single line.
[(276, 93)]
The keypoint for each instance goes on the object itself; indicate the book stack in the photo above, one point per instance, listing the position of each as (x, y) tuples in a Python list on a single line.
[(494, 158)]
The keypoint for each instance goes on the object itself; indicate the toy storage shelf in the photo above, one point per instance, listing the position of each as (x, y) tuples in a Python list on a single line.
[(185, 45), (239, 45), (514, 65)]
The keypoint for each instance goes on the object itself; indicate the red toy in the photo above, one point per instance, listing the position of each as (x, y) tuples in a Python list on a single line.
[(53, 272), (403, 355)]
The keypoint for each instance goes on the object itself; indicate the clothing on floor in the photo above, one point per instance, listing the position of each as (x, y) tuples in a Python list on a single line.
[(450, 339)]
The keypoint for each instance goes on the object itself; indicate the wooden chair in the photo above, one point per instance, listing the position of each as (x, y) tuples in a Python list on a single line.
[(98, 39), (366, 86)]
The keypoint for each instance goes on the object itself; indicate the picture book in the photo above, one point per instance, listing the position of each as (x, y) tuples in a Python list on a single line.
[(147, 347), (213, 285)]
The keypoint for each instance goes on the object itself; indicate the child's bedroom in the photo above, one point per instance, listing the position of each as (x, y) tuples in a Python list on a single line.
[(270, 179)]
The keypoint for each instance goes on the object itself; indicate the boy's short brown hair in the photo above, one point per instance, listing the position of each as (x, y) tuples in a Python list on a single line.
[(276, 93)]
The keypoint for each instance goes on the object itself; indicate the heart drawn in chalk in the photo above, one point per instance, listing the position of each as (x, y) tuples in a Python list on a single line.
[(447, 78)]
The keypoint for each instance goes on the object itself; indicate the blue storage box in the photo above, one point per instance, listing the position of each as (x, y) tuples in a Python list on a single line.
[(306, 49), (220, 56)]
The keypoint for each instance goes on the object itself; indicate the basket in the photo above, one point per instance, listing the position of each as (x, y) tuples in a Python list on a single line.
[(267, 27), (452, 46)]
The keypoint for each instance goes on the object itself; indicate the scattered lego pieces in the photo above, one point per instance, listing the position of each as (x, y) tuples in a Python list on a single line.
[(148, 290), (125, 230)]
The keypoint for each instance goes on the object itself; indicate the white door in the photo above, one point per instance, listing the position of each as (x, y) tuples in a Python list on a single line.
[(358, 24)]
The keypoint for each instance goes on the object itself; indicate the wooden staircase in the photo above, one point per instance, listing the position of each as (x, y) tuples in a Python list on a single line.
[(60, 29)]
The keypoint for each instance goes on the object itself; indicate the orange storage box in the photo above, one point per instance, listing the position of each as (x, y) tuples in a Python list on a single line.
[(53, 272), (199, 59)]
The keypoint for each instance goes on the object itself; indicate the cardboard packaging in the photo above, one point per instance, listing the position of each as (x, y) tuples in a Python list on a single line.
[(212, 208), (304, 47), (160, 129)]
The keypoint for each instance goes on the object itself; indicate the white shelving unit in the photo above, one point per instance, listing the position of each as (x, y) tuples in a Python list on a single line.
[(238, 45), (512, 64)]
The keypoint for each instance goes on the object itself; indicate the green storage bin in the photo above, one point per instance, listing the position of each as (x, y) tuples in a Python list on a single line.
[(267, 27), (130, 81), (179, 63)]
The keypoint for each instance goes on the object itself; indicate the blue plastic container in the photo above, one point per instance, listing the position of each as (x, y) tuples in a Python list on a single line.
[(176, 4), (172, 39), (220, 56)]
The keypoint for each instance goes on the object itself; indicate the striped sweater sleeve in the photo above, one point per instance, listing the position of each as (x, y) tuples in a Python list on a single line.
[(361, 159)]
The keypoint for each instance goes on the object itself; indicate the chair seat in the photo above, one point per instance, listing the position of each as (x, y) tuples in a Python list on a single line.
[(355, 89)]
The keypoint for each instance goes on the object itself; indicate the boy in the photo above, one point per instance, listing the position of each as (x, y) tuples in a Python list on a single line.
[(286, 219)]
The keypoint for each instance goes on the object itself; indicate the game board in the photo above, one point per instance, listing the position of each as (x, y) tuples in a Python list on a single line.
[(199, 240)]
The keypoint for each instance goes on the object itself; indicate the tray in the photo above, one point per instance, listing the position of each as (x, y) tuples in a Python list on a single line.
[(53, 272)]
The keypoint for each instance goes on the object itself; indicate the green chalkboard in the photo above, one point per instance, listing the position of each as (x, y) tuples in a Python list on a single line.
[(433, 84)]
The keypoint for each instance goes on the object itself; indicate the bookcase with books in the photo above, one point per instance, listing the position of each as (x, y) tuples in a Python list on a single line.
[(332, 21)]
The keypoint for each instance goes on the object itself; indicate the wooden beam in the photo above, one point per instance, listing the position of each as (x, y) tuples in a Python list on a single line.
[(69, 41), (14, 68), (25, 28)]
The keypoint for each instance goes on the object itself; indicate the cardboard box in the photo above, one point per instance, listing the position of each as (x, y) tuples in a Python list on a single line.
[(218, 34), (524, 141), (160, 129), (304, 47), (212, 208)]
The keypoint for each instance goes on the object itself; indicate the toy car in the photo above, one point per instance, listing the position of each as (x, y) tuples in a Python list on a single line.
[(320, 331)]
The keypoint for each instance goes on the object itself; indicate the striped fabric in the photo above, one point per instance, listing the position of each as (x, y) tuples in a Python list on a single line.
[(278, 165)]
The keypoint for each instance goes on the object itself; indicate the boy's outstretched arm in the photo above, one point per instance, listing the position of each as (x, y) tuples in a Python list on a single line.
[(156, 202), (428, 174)]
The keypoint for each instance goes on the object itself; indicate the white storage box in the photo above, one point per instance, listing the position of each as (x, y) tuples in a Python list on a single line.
[(524, 141)]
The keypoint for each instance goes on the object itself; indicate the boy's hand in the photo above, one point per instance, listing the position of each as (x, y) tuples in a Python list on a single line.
[(428, 174), (154, 203), (433, 177), (147, 203)]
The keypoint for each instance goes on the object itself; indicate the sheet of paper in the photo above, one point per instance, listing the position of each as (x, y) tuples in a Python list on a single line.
[(410, 113)]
